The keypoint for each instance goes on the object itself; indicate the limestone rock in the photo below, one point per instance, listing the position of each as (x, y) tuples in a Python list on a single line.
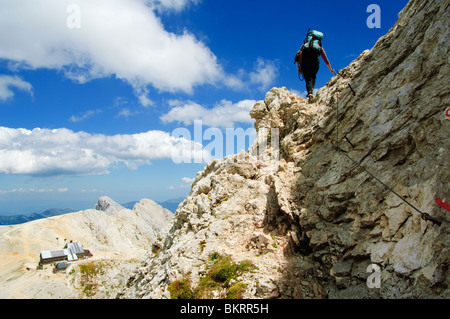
[(117, 237), (108, 206), (314, 221)]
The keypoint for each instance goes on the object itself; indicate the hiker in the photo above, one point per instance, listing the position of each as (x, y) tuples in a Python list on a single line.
[(307, 59)]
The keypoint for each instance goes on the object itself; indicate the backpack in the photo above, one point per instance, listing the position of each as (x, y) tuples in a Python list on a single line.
[(313, 42)]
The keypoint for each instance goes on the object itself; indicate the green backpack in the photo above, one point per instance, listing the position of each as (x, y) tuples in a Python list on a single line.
[(313, 42)]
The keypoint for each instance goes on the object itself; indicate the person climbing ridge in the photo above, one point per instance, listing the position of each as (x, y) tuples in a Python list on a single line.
[(307, 59)]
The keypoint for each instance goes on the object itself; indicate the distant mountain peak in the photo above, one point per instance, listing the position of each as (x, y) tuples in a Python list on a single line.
[(108, 205)]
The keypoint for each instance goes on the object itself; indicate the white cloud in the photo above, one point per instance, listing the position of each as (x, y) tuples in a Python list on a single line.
[(176, 5), (188, 180), (126, 113), (265, 73), (224, 114), (84, 116), (44, 152), (7, 82), (302, 94), (145, 101), (121, 38), (31, 190), (124, 39), (120, 101), (297, 92)]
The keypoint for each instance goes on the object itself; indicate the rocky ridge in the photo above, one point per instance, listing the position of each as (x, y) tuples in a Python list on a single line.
[(313, 223), (117, 237)]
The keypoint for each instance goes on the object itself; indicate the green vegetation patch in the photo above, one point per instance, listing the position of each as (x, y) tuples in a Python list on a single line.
[(220, 272), (89, 273), (236, 291), (180, 289)]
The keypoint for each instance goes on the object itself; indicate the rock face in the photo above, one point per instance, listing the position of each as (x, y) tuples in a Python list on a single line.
[(117, 237), (316, 225)]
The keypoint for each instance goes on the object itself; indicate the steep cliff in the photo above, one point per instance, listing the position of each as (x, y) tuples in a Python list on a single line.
[(311, 224)]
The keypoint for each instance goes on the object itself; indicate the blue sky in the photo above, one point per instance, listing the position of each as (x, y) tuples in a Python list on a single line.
[(92, 91)]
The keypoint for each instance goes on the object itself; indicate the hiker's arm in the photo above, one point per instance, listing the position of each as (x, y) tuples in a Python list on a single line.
[(325, 58), (299, 69)]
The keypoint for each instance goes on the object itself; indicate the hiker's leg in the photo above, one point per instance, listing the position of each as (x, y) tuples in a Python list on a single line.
[(310, 67), (309, 80), (313, 83), (314, 71)]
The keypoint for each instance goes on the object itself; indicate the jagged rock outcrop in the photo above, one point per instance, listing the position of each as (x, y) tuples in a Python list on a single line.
[(313, 223)]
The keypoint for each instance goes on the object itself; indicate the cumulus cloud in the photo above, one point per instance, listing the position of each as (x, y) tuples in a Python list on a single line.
[(262, 76), (125, 39), (224, 114), (265, 72), (103, 38), (7, 82), (44, 152)]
